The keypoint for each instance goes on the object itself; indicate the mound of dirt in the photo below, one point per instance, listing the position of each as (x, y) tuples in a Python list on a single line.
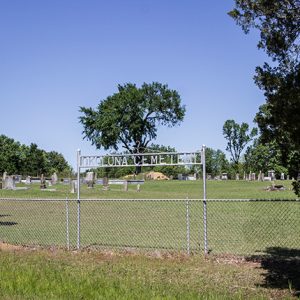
[(156, 176)]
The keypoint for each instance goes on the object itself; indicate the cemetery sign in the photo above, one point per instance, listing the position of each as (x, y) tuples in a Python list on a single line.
[(141, 159)]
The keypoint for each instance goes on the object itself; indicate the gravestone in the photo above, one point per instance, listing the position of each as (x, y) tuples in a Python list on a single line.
[(125, 186), (282, 176), (105, 186), (253, 176), (89, 179), (271, 174), (288, 177), (43, 182), (54, 178), (9, 183), (73, 186), (259, 176), (28, 180), (3, 180), (224, 176), (237, 176)]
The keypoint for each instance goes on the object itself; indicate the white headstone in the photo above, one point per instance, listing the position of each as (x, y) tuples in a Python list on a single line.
[(89, 179), (28, 180), (125, 186), (282, 176), (237, 176), (54, 178), (9, 183)]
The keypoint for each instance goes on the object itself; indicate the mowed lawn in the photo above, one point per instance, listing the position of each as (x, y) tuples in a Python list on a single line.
[(239, 227), (266, 233)]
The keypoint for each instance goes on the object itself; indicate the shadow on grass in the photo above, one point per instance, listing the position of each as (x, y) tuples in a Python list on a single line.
[(8, 223), (281, 266)]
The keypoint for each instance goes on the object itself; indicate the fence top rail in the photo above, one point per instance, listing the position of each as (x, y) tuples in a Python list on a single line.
[(150, 199)]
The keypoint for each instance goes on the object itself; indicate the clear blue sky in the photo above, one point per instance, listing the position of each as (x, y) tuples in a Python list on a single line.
[(58, 55)]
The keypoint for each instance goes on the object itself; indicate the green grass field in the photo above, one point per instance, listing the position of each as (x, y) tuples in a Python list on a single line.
[(270, 229), (233, 227)]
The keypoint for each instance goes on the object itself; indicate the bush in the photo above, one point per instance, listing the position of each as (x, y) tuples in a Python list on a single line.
[(296, 187)]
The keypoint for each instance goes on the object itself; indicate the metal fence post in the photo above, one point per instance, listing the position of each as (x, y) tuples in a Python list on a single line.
[(187, 227), (67, 223), (78, 198), (204, 201)]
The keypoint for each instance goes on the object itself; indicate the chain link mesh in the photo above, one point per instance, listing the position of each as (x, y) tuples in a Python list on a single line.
[(233, 226)]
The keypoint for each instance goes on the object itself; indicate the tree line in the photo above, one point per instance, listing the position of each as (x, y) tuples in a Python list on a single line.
[(17, 158)]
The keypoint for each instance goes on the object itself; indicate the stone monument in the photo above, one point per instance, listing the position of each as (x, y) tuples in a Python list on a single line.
[(89, 179), (43, 182), (105, 186), (9, 183), (54, 178)]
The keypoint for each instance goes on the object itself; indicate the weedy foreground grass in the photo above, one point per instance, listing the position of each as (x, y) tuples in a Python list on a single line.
[(55, 274)]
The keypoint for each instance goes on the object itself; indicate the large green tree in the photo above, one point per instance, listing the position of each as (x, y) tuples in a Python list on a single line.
[(237, 136), (215, 161), (16, 158), (279, 25), (130, 117)]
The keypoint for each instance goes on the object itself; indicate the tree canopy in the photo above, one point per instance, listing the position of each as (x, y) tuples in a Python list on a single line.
[(237, 136), (16, 158), (279, 25), (130, 117)]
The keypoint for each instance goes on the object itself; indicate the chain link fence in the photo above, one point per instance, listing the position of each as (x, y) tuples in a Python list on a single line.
[(233, 226)]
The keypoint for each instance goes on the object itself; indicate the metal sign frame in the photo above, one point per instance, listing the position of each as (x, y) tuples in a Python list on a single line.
[(142, 160)]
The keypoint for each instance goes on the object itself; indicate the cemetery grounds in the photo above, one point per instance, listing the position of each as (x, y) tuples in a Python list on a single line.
[(148, 272)]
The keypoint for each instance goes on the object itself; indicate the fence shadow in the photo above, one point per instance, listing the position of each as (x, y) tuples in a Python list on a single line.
[(281, 266), (7, 223)]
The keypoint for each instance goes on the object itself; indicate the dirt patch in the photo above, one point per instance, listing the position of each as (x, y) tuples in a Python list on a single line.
[(9, 247)]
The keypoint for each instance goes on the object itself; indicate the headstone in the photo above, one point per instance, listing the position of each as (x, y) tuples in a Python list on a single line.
[(271, 173), (17, 178), (43, 182), (3, 180), (54, 178), (259, 178), (208, 176), (237, 176), (224, 176), (105, 184), (282, 176), (249, 176), (125, 186), (253, 176), (73, 186), (89, 179), (9, 183), (179, 176), (28, 180), (288, 177)]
